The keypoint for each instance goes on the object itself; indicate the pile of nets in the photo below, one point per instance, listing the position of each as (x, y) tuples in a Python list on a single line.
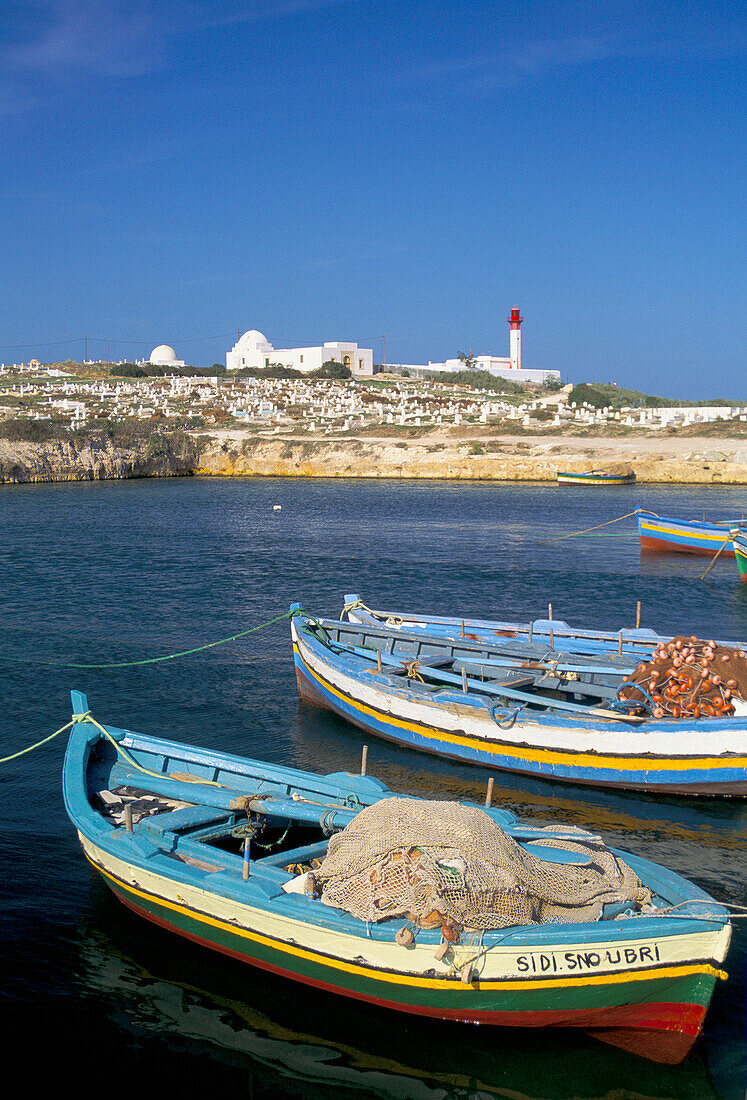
[(617, 469), (441, 864), (688, 678)]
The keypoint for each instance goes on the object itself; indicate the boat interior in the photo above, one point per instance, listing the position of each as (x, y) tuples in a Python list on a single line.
[(226, 826), (533, 674)]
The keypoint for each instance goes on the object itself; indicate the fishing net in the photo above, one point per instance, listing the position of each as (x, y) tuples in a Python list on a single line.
[(618, 469), (444, 864), (689, 678)]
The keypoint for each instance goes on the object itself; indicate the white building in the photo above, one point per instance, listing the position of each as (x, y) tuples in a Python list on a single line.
[(497, 366), (164, 356), (501, 367), (254, 350)]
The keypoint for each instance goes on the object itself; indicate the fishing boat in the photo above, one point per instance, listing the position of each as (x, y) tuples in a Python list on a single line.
[(682, 536), (629, 641), (622, 474), (229, 853), (739, 539), (508, 705)]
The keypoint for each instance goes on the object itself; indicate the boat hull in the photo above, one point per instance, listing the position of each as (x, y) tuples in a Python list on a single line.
[(663, 534), (740, 552), (648, 997), (566, 478), (643, 982), (580, 752)]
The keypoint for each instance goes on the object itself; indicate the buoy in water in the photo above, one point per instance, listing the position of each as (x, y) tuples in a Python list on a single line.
[(277, 507)]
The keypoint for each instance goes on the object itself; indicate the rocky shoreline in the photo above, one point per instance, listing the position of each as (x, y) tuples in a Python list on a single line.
[(235, 453)]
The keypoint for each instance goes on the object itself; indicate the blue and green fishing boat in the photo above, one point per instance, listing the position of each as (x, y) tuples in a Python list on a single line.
[(617, 476), (234, 855), (739, 539)]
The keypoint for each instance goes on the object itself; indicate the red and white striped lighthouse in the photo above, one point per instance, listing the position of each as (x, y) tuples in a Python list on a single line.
[(515, 348)]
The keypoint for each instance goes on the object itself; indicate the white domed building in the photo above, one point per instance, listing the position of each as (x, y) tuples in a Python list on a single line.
[(254, 350), (250, 350), (164, 356)]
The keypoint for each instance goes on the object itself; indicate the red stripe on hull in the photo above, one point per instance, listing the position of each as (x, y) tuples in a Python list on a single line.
[(660, 1031), (650, 543)]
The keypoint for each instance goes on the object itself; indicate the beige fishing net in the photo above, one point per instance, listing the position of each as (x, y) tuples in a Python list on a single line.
[(444, 864)]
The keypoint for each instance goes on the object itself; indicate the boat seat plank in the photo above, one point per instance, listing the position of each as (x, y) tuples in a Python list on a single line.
[(192, 817)]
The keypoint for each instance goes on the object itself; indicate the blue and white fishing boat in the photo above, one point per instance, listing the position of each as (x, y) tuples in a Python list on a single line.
[(682, 536), (504, 705), (234, 855), (635, 642)]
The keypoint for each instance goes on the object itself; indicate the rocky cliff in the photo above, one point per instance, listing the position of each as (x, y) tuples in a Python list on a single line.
[(233, 453), (96, 460), (660, 461)]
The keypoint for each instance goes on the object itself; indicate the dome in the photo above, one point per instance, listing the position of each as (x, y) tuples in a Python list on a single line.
[(162, 354), (253, 339)]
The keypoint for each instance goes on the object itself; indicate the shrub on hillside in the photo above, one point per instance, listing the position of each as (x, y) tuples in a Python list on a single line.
[(24, 430)]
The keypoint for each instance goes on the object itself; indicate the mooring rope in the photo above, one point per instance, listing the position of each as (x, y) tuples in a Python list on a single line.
[(30, 748), (168, 656), (587, 529)]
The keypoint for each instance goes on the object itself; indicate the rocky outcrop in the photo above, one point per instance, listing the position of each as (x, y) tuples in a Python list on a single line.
[(453, 459), (234, 453), (91, 460)]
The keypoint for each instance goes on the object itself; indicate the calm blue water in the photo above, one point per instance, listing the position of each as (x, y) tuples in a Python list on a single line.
[(123, 571)]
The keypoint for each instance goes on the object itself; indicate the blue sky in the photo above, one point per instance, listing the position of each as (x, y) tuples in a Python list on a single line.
[(177, 172)]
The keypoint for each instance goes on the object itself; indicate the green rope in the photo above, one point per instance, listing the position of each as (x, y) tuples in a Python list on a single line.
[(187, 652), (169, 656), (121, 751)]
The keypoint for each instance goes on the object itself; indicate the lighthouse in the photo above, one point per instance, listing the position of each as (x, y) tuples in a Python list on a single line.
[(515, 348)]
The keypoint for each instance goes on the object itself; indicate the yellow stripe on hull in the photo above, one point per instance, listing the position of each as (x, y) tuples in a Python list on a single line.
[(563, 758), (449, 981)]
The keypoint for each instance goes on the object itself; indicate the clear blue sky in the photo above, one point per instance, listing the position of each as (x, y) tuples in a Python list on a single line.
[(176, 171)]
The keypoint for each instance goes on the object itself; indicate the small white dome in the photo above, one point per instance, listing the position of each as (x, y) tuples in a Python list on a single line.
[(162, 354), (253, 339)]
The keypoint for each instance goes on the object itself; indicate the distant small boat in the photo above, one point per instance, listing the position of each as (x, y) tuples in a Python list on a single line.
[(740, 551), (589, 937), (624, 475), (682, 536)]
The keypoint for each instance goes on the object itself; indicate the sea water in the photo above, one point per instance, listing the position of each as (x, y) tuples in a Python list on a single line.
[(133, 570)]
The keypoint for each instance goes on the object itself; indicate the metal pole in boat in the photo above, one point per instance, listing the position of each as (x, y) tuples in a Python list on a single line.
[(489, 794), (245, 869), (464, 680), (638, 615), (620, 643), (364, 759), (128, 816)]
